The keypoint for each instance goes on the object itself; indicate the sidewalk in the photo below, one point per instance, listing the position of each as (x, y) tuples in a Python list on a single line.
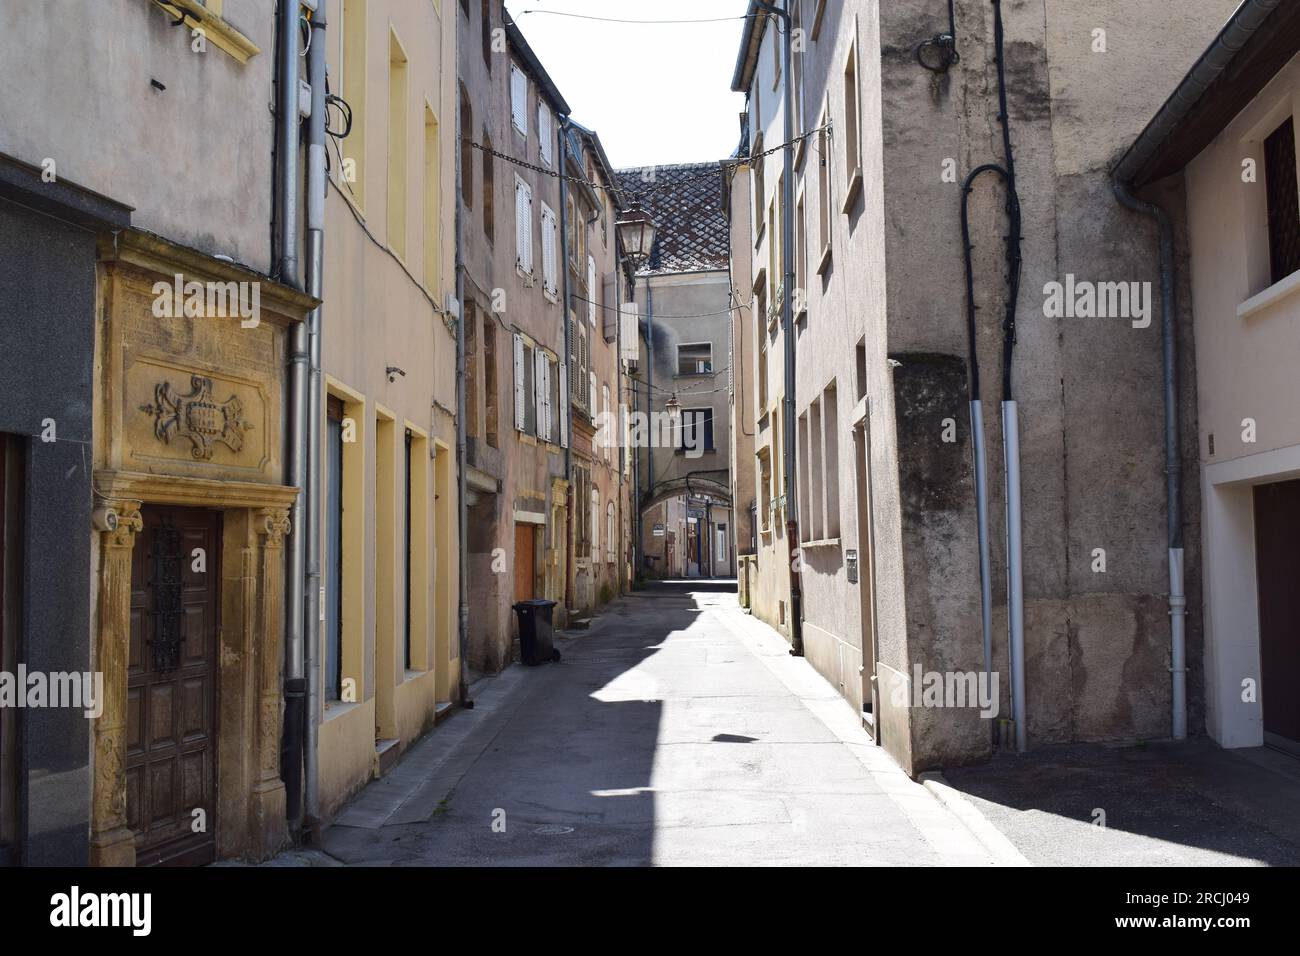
[(1165, 804)]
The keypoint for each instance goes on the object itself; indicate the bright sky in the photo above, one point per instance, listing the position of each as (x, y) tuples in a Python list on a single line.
[(656, 93)]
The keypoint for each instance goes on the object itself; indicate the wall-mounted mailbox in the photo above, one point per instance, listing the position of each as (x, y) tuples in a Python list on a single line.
[(851, 563)]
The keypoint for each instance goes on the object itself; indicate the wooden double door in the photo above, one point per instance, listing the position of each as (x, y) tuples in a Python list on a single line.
[(172, 686), (1277, 564)]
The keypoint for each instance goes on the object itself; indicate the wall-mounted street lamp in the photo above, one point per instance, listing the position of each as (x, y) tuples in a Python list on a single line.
[(636, 231)]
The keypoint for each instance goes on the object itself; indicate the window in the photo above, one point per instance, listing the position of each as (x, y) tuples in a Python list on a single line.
[(591, 291), (486, 9), (1283, 202), (823, 196), (432, 190), (579, 363), (831, 457), (489, 192), (760, 191), (816, 477), (819, 11), (466, 150), (852, 123), (407, 627), (760, 324), (519, 99), (765, 489), (775, 36), (354, 92), (582, 504), (545, 132), (819, 468), (542, 395), (389, 628), (549, 233), (697, 430), (471, 371), (490, 381), (695, 359), (523, 227), (775, 265), (333, 548), (396, 146), (800, 260), (796, 73), (595, 524), (611, 533), (801, 474), (555, 411)]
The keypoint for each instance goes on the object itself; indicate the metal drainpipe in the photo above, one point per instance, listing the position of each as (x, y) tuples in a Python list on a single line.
[(561, 152), (650, 387), (787, 332), (315, 269), (295, 452), (1173, 456), (462, 464)]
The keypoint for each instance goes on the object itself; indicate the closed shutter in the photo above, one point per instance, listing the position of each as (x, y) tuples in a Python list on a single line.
[(519, 99), (545, 133), (524, 226), (541, 394), (520, 415), (631, 332), (609, 315), (591, 291), (609, 428), (548, 250), (591, 395), (564, 404), (627, 437), (595, 525)]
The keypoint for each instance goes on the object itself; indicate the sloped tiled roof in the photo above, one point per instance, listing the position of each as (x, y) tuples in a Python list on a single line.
[(685, 202)]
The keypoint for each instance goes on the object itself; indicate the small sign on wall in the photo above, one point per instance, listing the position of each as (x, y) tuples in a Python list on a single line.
[(851, 564)]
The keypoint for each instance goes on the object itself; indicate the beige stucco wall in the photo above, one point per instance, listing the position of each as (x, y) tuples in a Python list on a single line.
[(384, 309), (77, 81), (1248, 344), (1089, 390)]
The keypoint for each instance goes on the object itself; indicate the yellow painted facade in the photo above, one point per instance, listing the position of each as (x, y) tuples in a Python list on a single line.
[(388, 354)]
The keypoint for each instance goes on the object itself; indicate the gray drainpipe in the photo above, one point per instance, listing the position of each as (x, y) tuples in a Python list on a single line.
[(295, 451), (315, 269), (562, 158), (1245, 22)]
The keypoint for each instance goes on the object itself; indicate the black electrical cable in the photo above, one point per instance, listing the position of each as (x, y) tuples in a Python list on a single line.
[(1014, 260), (945, 43)]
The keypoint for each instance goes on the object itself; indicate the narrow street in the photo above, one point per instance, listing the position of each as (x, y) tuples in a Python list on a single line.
[(676, 731)]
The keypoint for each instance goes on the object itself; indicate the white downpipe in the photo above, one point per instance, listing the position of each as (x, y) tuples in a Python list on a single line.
[(982, 514), (1178, 645), (1015, 577)]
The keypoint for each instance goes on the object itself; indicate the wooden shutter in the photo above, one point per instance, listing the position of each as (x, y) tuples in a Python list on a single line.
[(604, 408), (564, 404), (519, 99), (591, 395), (609, 315), (631, 332), (541, 398), (520, 415), (524, 225), (548, 250), (545, 132), (591, 291), (595, 525)]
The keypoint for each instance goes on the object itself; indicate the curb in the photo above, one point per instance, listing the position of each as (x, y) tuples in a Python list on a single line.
[(1002, 850)]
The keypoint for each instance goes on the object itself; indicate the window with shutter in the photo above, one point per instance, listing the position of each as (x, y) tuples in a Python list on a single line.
[(548, 251), (591, 291), (563, 409), (545, 132), (631, 331), (611, 533), (595, 524), (519, 382), (519, 99), (604, 410), (541, 394), (524, 226), (591, 395)]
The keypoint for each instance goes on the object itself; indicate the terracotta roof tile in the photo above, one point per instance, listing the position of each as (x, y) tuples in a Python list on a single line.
[(685, 202)]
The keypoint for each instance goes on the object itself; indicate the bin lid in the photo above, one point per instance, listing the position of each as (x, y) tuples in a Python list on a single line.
[(535, 602)]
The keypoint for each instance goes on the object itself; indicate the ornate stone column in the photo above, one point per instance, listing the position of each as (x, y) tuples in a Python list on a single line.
[(269, 825), (112, 842)]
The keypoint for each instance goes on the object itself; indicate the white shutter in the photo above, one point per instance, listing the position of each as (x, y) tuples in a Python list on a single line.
[(627, 437), (611, 534), (540, 396), (548, 249), (631, 332), (595, 525), (519, 382), (591, 291), (524, 225), (519, 99), (604, 408), (609, 315), (564, 404), (545, 133), (591, 395)]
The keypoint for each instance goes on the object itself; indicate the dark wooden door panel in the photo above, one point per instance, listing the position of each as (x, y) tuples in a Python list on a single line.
[(171, 686), (1277, 562)]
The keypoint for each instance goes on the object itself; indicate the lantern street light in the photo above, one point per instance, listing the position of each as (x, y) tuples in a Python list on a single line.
[(636, 230)]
